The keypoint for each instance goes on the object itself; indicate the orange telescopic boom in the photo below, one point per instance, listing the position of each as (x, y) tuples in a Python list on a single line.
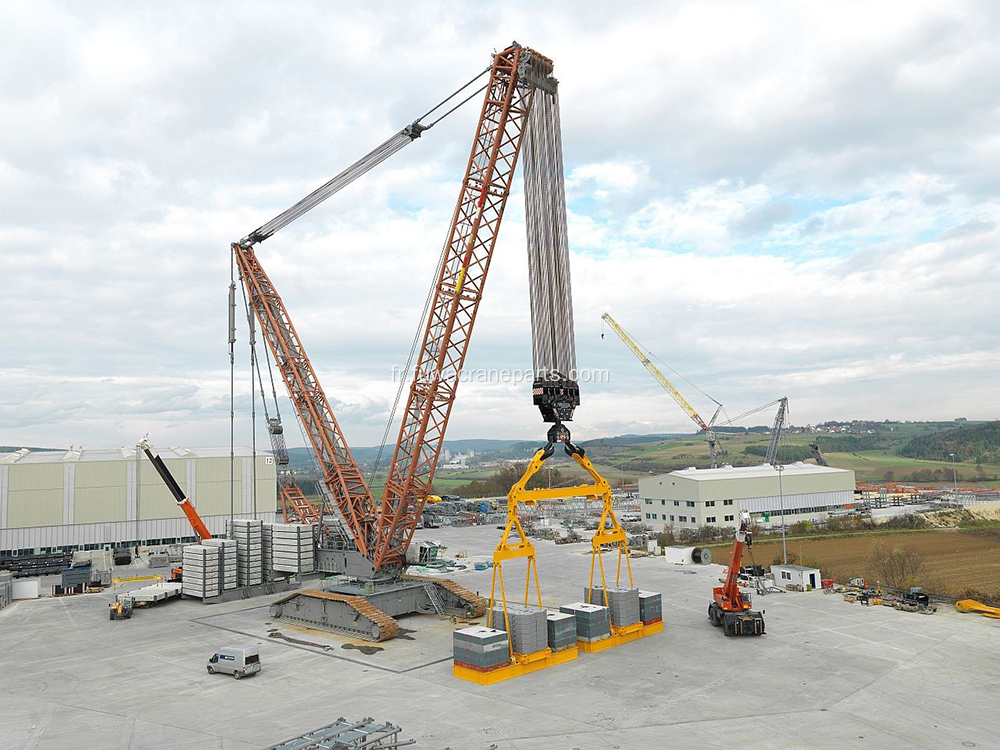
[(182, 500)]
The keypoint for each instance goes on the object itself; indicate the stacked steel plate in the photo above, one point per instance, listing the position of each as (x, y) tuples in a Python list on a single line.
[(561, 630), (529, 630), (481, 649), (650, 607), (593, 622), (201, 571)]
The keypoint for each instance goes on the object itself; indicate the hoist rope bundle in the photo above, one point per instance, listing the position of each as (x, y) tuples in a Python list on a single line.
[(553, 341)]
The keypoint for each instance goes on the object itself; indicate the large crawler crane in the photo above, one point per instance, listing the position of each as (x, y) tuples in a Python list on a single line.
[(371, 552)]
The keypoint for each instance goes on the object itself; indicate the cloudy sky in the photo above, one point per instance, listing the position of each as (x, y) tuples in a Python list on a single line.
[(791, 198)]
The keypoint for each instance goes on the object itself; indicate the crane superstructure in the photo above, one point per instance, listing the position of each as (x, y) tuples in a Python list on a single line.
[(682, 402), (380, 531), (776, 429), (730, 607)]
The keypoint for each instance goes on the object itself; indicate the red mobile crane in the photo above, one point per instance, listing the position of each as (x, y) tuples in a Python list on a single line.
[(731, 607), (183, 502), (380, 531)]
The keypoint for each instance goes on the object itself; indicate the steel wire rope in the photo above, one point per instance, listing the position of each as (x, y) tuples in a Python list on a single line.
[(405, 373), (365, 164)]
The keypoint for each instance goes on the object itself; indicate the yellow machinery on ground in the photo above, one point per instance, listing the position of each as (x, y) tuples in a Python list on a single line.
[(971, 605), (121, 608)]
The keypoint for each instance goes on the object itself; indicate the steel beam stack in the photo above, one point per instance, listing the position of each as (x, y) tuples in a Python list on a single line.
[(623, 601), (292, 548), (227, 560), (593, 622), (202, 577), (249, 536), (529, 630), (561, 630), (480, 649)]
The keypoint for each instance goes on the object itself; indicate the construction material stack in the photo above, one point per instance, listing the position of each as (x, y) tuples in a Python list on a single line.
[(621, 600), (267, 551), (480, 649), (650, 607), (561, 631), (593, 622), (202, 577), (527, 625), (292, 548), (249, 536), (227, 561)]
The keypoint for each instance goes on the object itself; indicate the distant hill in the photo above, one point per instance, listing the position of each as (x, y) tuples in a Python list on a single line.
[(619, 440), (980, 443), (15, 448), (302, 458)]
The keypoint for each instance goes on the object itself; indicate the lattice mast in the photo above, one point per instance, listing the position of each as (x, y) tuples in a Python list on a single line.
[(382, 533), (340, 471), (457, 294)]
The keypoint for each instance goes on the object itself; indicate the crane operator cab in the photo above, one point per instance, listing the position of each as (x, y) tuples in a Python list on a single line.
[(239, 661)]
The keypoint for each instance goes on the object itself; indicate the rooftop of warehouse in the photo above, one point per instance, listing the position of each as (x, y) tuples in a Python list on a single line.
[(126, 453), (752, 472)]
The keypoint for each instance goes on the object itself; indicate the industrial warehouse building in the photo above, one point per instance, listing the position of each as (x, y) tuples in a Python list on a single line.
[(65, 501), (690, 498)]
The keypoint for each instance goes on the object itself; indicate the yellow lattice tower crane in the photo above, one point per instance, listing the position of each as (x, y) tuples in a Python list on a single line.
[(668, 386)]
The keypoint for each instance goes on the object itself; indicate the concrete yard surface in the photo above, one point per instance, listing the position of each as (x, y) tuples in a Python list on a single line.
[(827, 675)]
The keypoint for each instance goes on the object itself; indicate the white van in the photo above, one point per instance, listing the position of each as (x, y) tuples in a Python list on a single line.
[(239, 661)]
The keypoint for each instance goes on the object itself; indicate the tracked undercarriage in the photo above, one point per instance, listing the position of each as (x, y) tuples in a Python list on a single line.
[(366, 609)]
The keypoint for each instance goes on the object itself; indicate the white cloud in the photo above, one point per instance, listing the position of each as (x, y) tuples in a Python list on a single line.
[(794, 199)]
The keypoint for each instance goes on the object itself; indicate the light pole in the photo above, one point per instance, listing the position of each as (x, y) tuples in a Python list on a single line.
[(954, 473), (781, 505)]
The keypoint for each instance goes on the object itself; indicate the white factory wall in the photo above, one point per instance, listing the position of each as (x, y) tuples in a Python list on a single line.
[(93, 498), (121, 533), (691, 498)]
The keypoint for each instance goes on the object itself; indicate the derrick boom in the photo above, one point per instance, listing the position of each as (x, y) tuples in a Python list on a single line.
[(457, 293), (340, 472)]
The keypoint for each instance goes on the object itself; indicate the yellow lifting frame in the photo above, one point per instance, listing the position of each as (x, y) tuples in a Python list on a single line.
[(609, 533)]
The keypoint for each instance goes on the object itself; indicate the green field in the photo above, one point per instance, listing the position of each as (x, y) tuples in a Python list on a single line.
[(622, 461)]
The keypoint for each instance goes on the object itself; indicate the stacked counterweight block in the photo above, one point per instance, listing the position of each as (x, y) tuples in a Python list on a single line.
[(480, 649), (227, 561), (249, 536), (202, 571), (622, 600), (528, 626), (291, 547)]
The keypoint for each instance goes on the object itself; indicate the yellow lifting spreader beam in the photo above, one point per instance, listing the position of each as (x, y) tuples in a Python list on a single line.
[(608, 536)]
